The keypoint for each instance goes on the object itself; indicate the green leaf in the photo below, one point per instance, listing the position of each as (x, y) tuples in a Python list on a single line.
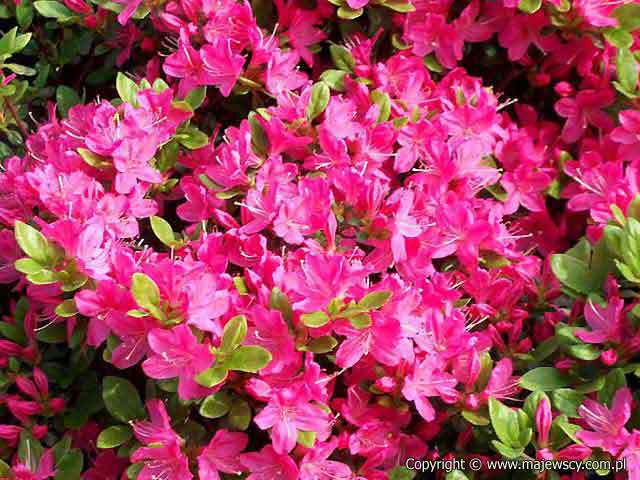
[(544, 379), (618, 37), (56, 333), (121, 399), (529, 6), (127, 89), (53, 9), (192, 138), (196, 97), (32, 242), (66, 309), (582, 269), (583, 352), (567, 401), (163, 231), (507, 451), (627, 69), (24, 14), (334, 78), (212, 376), (145, 291), (93, 159), (475, 418), (348, 13), (401, 473), (279, 301), (259, 139), (28, 265), (216, 405), (504, 421), (233, 334), (240, 415), (323, 344), (530, 406), (360, 321), (66, 97), (628, 16), (383, 101), (399, 6), (114, 436), (342, 58), (614, 381), (70, 466), (319, 100), (29, 450), (249, 358), (375, 300), (315, 319)]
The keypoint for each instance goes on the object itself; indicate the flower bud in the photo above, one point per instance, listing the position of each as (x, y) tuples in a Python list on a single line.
[(543, 421)]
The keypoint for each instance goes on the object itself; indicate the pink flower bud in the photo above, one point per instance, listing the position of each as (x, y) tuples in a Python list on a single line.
[(564, 89), (41, 381), (56, 404), (39, 431), (27, 387), (543, 421), (78, 6), (609, 357)]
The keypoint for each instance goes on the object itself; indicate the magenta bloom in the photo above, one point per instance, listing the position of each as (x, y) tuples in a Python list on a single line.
[(177, 353), (606, 426), (269, 465), (222, 455), (286, 414)]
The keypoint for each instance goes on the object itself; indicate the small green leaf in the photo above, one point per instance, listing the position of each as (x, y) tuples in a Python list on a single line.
[(475, 418), (240, 415), (530, 6), (319, 100), (360, 321), (127, 89), (323, 344), (306, 439), (114, 436), (618, 37), (259, 139), (192, 138), (334, 78), (342, 58), (163, 231), (506, 451), (233, 334), (249, 358), (53, 9), (399, 6), (66, 98), (212, 376), (70, 466), (66, 309), (93, 159), (627, 69), (28, 266), (567, 401), (279, 301), (383, 101), (216, 405), (315, 319), (196, 97), (145, 291), (505, 423), (375, 300), (121, 399), (614, 381), (348, 13), (32, 242), (544, 379), (628, 16)]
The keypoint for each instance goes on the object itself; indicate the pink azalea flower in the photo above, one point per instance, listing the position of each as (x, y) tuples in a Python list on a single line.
[(177, 353), (606, 323), (628, 134), (286, 414), (158, 430), (222, 454), (166, 462), (584, 110), (606, 425), (267, 464), (316, 466), (428, 380)]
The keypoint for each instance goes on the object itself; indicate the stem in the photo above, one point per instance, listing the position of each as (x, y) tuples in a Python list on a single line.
[(16, 118)]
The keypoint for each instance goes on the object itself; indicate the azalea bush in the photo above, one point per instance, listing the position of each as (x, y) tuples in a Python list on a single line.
[(318, 240)]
